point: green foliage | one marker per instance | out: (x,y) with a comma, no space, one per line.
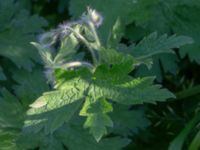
(75,138)
(111,15)
(8,139)
(128,122)
(65,100)
(195,142)
(17,29)
(178,142)
(98,80)
(179,17)
(153,45)
(98,85)
(97,118)
(11,121)
(26,87)
(149,16)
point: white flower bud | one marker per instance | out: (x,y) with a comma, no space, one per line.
(64,28)
(93,16)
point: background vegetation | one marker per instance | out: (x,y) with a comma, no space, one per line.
(172,125)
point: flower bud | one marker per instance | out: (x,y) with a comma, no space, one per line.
(64,28)
(93,16)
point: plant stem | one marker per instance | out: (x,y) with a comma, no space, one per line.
(75,64)
(95,61)
(93,29)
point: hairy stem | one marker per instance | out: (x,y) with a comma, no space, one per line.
(75,64)
(79,36)
(93,29)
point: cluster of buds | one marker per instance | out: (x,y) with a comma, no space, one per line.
(91,20)
(91,17)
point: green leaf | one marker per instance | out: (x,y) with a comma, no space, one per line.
(136,91)
(75,138)
(195,145)
(29,85)
(188,24)
(69,78)
(128,122)
(8,139)
(12,115)
(178,142)
(154,48)
(111,56)
(162,63)
(117,74)
(97,118)
(39,140)
(179,17)
(116,34)
(18,29)
(15,116)
(153,45)
(64,102)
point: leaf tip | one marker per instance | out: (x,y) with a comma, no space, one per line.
(38,103)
